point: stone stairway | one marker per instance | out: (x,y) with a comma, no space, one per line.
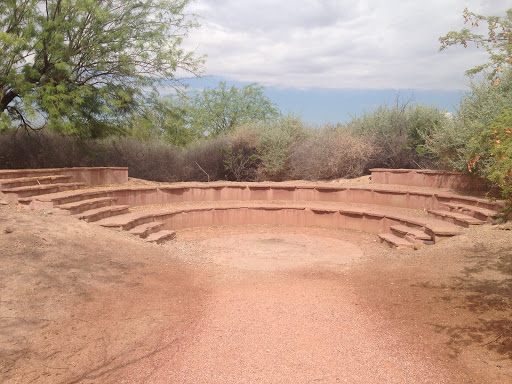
(447,213)
(402,236)
(13,189)
(57,193)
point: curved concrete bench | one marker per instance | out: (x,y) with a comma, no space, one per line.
(87,175)
(363,219)
(164,194)
(297,205)
(429,178)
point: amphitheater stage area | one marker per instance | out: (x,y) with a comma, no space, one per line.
(388,279)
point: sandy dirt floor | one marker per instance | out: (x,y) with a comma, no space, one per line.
(252,304)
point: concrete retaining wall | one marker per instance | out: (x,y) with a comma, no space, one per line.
(258,191)
(428,178)
(88,175)
(350,218)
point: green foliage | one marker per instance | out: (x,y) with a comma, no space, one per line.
(276,141)
(456,141)
(79,66)
(241,163)
(220,110)
(164,119)
(497,42)
(398,132)
(496,163)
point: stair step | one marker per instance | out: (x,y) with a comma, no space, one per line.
(128,221)
(403,230)
(455,218)
(27,181)
(161,236)
(50,200)
(395,241)
(146,229)
(103,212)
(479,213)
(14,194)
(86,205)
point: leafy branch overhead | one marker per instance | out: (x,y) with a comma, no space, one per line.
(78,65)
(497,41)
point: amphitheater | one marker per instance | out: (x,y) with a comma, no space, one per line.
(404,208)
(389,278)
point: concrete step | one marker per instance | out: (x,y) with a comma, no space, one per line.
(103,212)
(50,200)
(86,205)
(27,181)
(479,213)
(410,234)
(455,218)
(395,241)
(471,201)
(161,236)
(146,229)
(15,194)
(128,221)
(19,173)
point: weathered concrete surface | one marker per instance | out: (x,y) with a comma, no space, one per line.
(428,178)
(87,175)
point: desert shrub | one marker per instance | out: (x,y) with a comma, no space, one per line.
(150,160)
(276,141)
(41,149)
(397,134)
(241,160)
(455,142)
(494,157)
(203,160)
(330,154)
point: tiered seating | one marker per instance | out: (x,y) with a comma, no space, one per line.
(401,217)
(12,189)
(50,188)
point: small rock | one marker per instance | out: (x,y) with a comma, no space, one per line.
(418,245)
(505,226)
(3,202)
(8,230)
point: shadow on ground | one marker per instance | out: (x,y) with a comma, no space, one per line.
(484,288)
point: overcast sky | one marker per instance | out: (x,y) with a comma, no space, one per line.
(337,44)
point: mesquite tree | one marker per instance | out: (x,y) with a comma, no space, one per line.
(497,41)
(79,65)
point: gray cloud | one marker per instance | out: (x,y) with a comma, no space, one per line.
(336,43)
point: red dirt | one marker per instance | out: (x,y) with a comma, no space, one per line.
(253,304)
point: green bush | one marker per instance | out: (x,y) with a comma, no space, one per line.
(398,134)
(276,141)
(456,141)
(495,158)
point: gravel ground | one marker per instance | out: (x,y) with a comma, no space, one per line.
(250,304)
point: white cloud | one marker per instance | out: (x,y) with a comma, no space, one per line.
(372,44)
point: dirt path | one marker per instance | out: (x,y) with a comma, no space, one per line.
(255,304)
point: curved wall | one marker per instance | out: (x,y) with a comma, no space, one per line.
(87,175)
(351,218)
(246,192)
(429,178)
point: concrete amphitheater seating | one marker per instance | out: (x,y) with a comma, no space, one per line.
(404,217)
